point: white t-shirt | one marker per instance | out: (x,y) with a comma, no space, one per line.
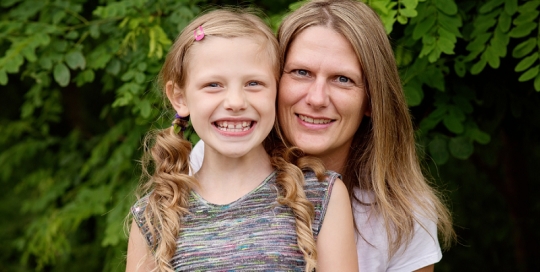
(422,250)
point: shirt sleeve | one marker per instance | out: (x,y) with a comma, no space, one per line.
(137,210)
(372,242)
(421,251)
(196,157)
(319,192)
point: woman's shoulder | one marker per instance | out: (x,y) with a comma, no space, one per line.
(372,241)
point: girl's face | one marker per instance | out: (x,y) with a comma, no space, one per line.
(230,94)
(322,99)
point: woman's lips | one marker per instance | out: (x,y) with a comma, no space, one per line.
(314,120)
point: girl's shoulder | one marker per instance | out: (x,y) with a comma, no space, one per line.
(318,192)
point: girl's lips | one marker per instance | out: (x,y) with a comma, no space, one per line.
(234,127)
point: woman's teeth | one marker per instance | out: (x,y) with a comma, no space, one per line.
(314,121)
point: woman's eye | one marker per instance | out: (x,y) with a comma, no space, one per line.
(343,79)
(301,72)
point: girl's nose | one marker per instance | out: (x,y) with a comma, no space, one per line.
(235,100)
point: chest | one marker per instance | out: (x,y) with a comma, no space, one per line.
(255,233)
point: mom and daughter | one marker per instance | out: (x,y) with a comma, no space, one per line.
(247,198)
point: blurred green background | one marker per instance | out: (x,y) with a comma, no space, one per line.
(78,94)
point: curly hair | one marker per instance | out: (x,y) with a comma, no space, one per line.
(166,161)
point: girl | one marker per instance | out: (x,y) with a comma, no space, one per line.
(244,209)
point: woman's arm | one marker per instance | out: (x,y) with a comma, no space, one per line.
(139,257)
(336,242)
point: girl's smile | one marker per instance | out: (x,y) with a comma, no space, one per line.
(229,93)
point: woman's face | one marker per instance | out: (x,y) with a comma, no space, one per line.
(321,98)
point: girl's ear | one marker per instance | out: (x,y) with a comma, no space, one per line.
(177,98)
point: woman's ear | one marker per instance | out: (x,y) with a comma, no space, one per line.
(368,110)
(177,98)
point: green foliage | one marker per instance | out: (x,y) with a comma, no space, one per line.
(79,85)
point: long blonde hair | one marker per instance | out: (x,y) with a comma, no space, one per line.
(166,167)
(383,157)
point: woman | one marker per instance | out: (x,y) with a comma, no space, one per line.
(340,99)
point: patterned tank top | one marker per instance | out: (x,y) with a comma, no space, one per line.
(253,233)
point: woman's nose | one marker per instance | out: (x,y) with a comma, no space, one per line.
(317,95)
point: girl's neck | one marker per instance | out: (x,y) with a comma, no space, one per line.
(224,179)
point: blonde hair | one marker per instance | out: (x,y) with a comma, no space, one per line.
(165,164)
(383,157)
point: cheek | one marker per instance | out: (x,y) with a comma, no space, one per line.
(286,94)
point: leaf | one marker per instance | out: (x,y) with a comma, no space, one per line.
(413,94)
(29,54)
(478,67)
(145,108)
(459,68)
(140,77)
(492,57)
(450,23)
(480,136)
(61,74)
(3,77)
(408,12)
(522,30)
(510,7)
(113,67)
(453,124)
(490,5)
(446,45)
(537,83)
(402,19)
(530,74)
(505,21)
(457,113)
(128,75)
(524,48)
(84,77)
(75,59)
(438,150)
(460,147)
(526,17)
(481,25)
(479,42)
(525,63)
(447,6)
(500,42)
(529,5)
(296,5)
(423,27)
(463,104)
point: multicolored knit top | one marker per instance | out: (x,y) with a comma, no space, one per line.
(251,233)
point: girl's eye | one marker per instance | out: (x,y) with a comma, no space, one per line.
(343,79)
(213,85)
(253,83)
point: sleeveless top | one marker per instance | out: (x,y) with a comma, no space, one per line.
(251,233)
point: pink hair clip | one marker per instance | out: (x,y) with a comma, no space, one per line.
(199,36)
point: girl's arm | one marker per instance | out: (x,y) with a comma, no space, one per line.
(139,258)
(336,245)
